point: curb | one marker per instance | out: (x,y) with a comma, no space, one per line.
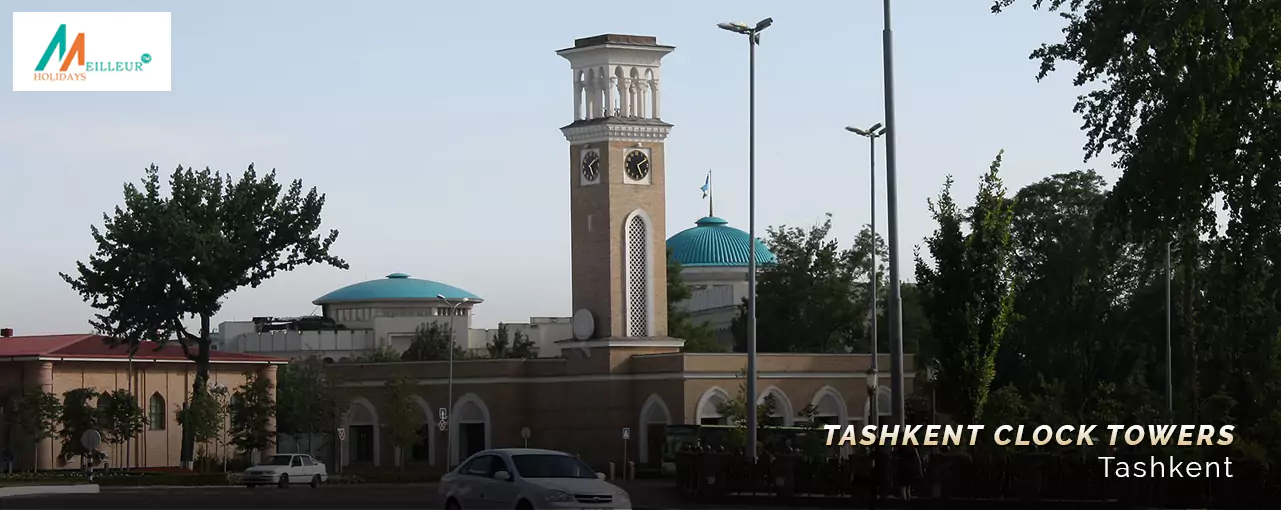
(36,490)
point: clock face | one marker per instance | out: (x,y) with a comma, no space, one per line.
(591,167)
(636,165)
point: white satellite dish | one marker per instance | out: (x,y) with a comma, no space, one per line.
(584,324)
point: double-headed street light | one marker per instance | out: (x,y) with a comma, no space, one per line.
(872,134)
(453,341)
(753,34)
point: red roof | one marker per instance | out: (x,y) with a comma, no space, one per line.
(95,347)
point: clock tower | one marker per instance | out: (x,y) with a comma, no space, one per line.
(617,187)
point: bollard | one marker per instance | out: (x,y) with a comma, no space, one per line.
(611,470)
(631,470)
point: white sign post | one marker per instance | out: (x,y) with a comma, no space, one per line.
(524,434)
(90,440)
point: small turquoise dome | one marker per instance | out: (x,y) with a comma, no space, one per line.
(712,243)
(396,286)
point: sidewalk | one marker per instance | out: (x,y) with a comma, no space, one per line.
(663,494)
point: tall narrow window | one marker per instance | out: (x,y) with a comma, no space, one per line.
(156,412)
(637,277)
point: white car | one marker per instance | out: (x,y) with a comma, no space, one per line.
(286,468)
(529,479)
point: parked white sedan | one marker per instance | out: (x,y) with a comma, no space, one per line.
(284,469)
(529,479)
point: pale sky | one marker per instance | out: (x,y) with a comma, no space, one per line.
(432,127)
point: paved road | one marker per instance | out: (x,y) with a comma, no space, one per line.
(419,497)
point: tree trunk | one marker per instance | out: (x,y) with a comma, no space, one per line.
(198,385)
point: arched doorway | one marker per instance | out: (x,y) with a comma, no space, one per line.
(830,407)
(884,406)
(709,405)
(425,449)
(784,414)
(362,444)
(654,419)
(471,429)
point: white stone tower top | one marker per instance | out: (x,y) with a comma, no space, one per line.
(616,77)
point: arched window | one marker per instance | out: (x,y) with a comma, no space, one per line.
(104,400)
(637,297)
(156,412)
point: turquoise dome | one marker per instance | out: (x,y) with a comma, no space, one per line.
(395,286)
(711,242)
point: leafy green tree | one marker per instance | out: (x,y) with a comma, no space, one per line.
(204,415)
(505,344)
(121,418)
(698,336)
(431,343)
(309,400)
(250,410)
(969,290)
(803,301)
(78,416)
(404,417)
(162,259)
(32,416)
(383,353)
(736,413)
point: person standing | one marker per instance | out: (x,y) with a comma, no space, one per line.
(909,470)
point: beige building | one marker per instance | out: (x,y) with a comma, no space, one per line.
(620,381)
(161,380)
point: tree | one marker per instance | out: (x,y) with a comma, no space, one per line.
(383,353)
(404,417)
(32,416)
(77,417)
(735,413)
(204,415)
(803,302)
(698,336)
(431,343)
(161,260)
(121,418)
(308,398)
(517,346)
(250,410)
(969,290)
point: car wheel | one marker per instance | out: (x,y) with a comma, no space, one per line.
(524,505)
(315,481)
(452,504)
(284,481)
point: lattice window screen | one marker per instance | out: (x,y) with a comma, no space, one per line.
(637,278)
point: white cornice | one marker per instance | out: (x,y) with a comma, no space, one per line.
(615,132)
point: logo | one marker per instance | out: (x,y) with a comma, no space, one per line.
(91,51)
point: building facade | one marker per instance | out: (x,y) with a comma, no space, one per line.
(159,378)
(619,381)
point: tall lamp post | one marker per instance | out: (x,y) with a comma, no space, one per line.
(891,191)
(872,134)
(753,34)
(453,342)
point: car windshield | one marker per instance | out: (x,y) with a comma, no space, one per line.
(551,466)
(278,460)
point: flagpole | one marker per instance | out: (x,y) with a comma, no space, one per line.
(709,194)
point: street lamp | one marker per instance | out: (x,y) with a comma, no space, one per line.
(872,134)
(891,191)
(753,38)
(453,341)
(873,385)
